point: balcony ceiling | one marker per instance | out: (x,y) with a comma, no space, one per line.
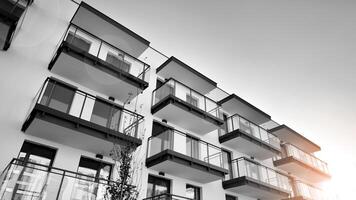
(104,27)
(301,170)
(286,134)
(236,105)
(174,68)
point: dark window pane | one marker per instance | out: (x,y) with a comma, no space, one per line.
(101,113)
(229,197)
(157,186)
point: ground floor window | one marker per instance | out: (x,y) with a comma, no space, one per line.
(157,186)
(192,192)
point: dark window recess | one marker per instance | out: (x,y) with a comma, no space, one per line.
(229,197)
(78,41)
(118,61)
(58,97)
(158,128)
(157,186)
(105,114)
(36,153)
(226,161)
(192,100)
(94,168)
(159,83)
(192,192)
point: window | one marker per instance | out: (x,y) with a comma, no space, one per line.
(118,61)
(78,41)
(58,96)
(192,192)
(31,179)
(229,197)
(106,115)
(192,100)
(157,186)
(192,146)
(86,187)
(36,153)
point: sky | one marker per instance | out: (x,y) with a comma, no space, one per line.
(295,60)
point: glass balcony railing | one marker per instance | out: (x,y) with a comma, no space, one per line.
(308,191)
(104,51)
(189,146)
(243,167)
(79,104)
(309,159)
(236,122)
(186,94)
(167,197)
(32,181)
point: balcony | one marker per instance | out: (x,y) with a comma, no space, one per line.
(176,69)
(27,180)
(303,191)
(235,104)
(248,138)
(254,180)
(181,155)
(301,164)
(185,107)
(291,136)
(94,63)
(10,14)
(167,197)
(66,115)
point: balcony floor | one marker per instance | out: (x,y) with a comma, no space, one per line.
(59,127)
(179,112)
(182,166)
(300,169)
(95,74)
(249,145)
(253,188)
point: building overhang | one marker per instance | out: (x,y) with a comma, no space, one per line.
(286,134)
(183,114)
(63,128)
(177,164)
(236,105)
(174,68)
(249,145)
(101,25)
(301,169)
(254,188)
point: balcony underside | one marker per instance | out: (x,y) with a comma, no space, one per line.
(287,134)
(300,169)
(182,166)
(253,188)
(248,145)
(87,70)
(236,105)
(185,115)
(59,127)
(174,68)
(97,23)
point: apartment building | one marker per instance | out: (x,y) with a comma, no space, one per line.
(80,85)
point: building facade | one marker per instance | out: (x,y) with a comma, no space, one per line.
(80,86)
